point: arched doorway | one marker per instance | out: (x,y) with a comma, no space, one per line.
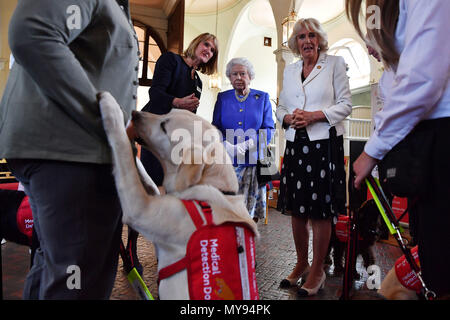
(150,47)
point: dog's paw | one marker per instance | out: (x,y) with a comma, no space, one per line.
(112,114)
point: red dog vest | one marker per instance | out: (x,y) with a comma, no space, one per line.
(342,228)
(405,274)
(25,218)
(220,259)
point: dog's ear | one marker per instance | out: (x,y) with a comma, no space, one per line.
(191,168)
(218,164)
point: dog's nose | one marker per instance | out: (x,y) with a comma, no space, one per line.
(135,115)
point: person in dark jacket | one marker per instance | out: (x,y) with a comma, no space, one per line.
(176,84)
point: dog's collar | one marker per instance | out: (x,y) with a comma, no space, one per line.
(228,193)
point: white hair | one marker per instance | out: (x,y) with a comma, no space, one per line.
(243,62)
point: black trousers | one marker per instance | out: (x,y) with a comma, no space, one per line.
(430,217)
(77,219)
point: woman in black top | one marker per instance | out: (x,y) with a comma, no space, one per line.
(175,84)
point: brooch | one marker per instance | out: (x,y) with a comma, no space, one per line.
(257,96)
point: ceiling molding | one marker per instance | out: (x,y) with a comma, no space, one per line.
(147,11)
(335,21)
(213,12)
(169,6)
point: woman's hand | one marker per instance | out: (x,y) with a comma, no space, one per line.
(287,120)
(190,102)
(362,168)
(302,118)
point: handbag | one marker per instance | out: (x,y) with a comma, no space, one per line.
(266,169)
(405,168)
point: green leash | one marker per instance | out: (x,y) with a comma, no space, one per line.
(391,226)
(134,278)
(395,229)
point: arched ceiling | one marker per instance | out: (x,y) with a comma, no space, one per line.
(323,10)
(260,14)
(207,7)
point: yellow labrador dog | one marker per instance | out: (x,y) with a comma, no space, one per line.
(392,289)
(401,283)
(196,166)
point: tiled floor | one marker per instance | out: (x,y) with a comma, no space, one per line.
(275,255)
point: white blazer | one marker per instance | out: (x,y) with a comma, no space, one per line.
(326,89)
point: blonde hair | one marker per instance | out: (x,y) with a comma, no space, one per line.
(211,66)
(309,24)
(384,37)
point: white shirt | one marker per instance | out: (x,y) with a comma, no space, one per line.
(420,86)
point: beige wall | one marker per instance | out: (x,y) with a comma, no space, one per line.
(6,11)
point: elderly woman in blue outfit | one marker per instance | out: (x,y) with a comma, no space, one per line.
(244,117)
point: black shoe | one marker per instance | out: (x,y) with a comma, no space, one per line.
(288,282)
(305,292)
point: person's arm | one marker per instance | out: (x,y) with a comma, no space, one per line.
(40,33)
(421,77)
(420,80)
(165,70)
(267,124)
(343,98)
(217,115)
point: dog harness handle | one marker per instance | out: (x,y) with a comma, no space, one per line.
(198,221)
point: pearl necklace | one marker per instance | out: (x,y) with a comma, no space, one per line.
(243,98)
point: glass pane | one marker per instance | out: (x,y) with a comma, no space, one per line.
(141,63)
(142,98)
(153,53)
(141,49)
(152,41)
(150,69)
(140,33)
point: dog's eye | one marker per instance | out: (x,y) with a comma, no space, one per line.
(163,126)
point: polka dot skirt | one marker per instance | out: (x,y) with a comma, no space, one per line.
(311,184)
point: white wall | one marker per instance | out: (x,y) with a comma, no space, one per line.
(340,28)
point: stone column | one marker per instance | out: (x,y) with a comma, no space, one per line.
(284,57)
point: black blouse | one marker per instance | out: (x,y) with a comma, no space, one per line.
(172,79)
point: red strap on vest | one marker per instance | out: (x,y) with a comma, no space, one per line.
(198,222)
(195,215)
(172,269)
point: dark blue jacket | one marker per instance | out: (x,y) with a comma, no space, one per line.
(172,79)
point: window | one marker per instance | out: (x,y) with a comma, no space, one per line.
(150,48)
(357,61)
